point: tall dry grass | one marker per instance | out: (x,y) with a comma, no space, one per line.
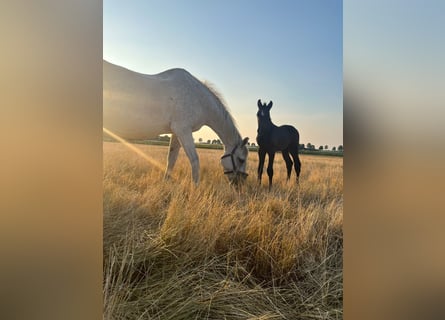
(175,251)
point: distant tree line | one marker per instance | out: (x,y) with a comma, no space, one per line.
(164,138)
(310,146)
(302,146)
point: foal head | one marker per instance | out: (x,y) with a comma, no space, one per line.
(263,113)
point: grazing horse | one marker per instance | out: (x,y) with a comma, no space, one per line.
(141,106)
(271,139)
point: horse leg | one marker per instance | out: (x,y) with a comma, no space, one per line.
(297,163)
(270,168)
(288,161)
(261,156)
(172,155)
(186,140)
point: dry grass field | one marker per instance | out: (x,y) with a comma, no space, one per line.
(175,251)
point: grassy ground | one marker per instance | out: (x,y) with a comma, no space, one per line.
(175,251)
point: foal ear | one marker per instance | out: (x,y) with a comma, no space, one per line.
(259,104)
(244,142)
(269,105)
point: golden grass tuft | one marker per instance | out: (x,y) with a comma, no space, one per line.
(175,251)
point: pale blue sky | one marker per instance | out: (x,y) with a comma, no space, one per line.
(289,52)
(394,68)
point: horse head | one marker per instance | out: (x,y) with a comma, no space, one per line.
(234,162)
(263,110)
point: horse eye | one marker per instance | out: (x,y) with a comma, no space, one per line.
(241,160)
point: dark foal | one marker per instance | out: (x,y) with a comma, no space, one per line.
(271,139)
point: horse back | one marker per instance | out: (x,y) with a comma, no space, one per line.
(137,105)
(291,131)
(286,136)
(279,138)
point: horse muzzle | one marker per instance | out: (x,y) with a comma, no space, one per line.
(236,177)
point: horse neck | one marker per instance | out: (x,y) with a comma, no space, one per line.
(225,128)
(264,126)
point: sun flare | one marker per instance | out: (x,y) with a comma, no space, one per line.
(134,149)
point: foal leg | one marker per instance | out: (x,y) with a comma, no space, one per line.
(261,157)
(270,168)
(288,161)
(172,155)
(297,162)
(186,140)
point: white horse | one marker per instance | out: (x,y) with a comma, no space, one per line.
(141,106)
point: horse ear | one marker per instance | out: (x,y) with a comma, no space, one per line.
(244,142)
(269,106)
(259,103)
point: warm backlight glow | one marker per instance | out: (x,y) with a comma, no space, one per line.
(134,149)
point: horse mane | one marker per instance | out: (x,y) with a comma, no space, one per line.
(222,109)
(215,91)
